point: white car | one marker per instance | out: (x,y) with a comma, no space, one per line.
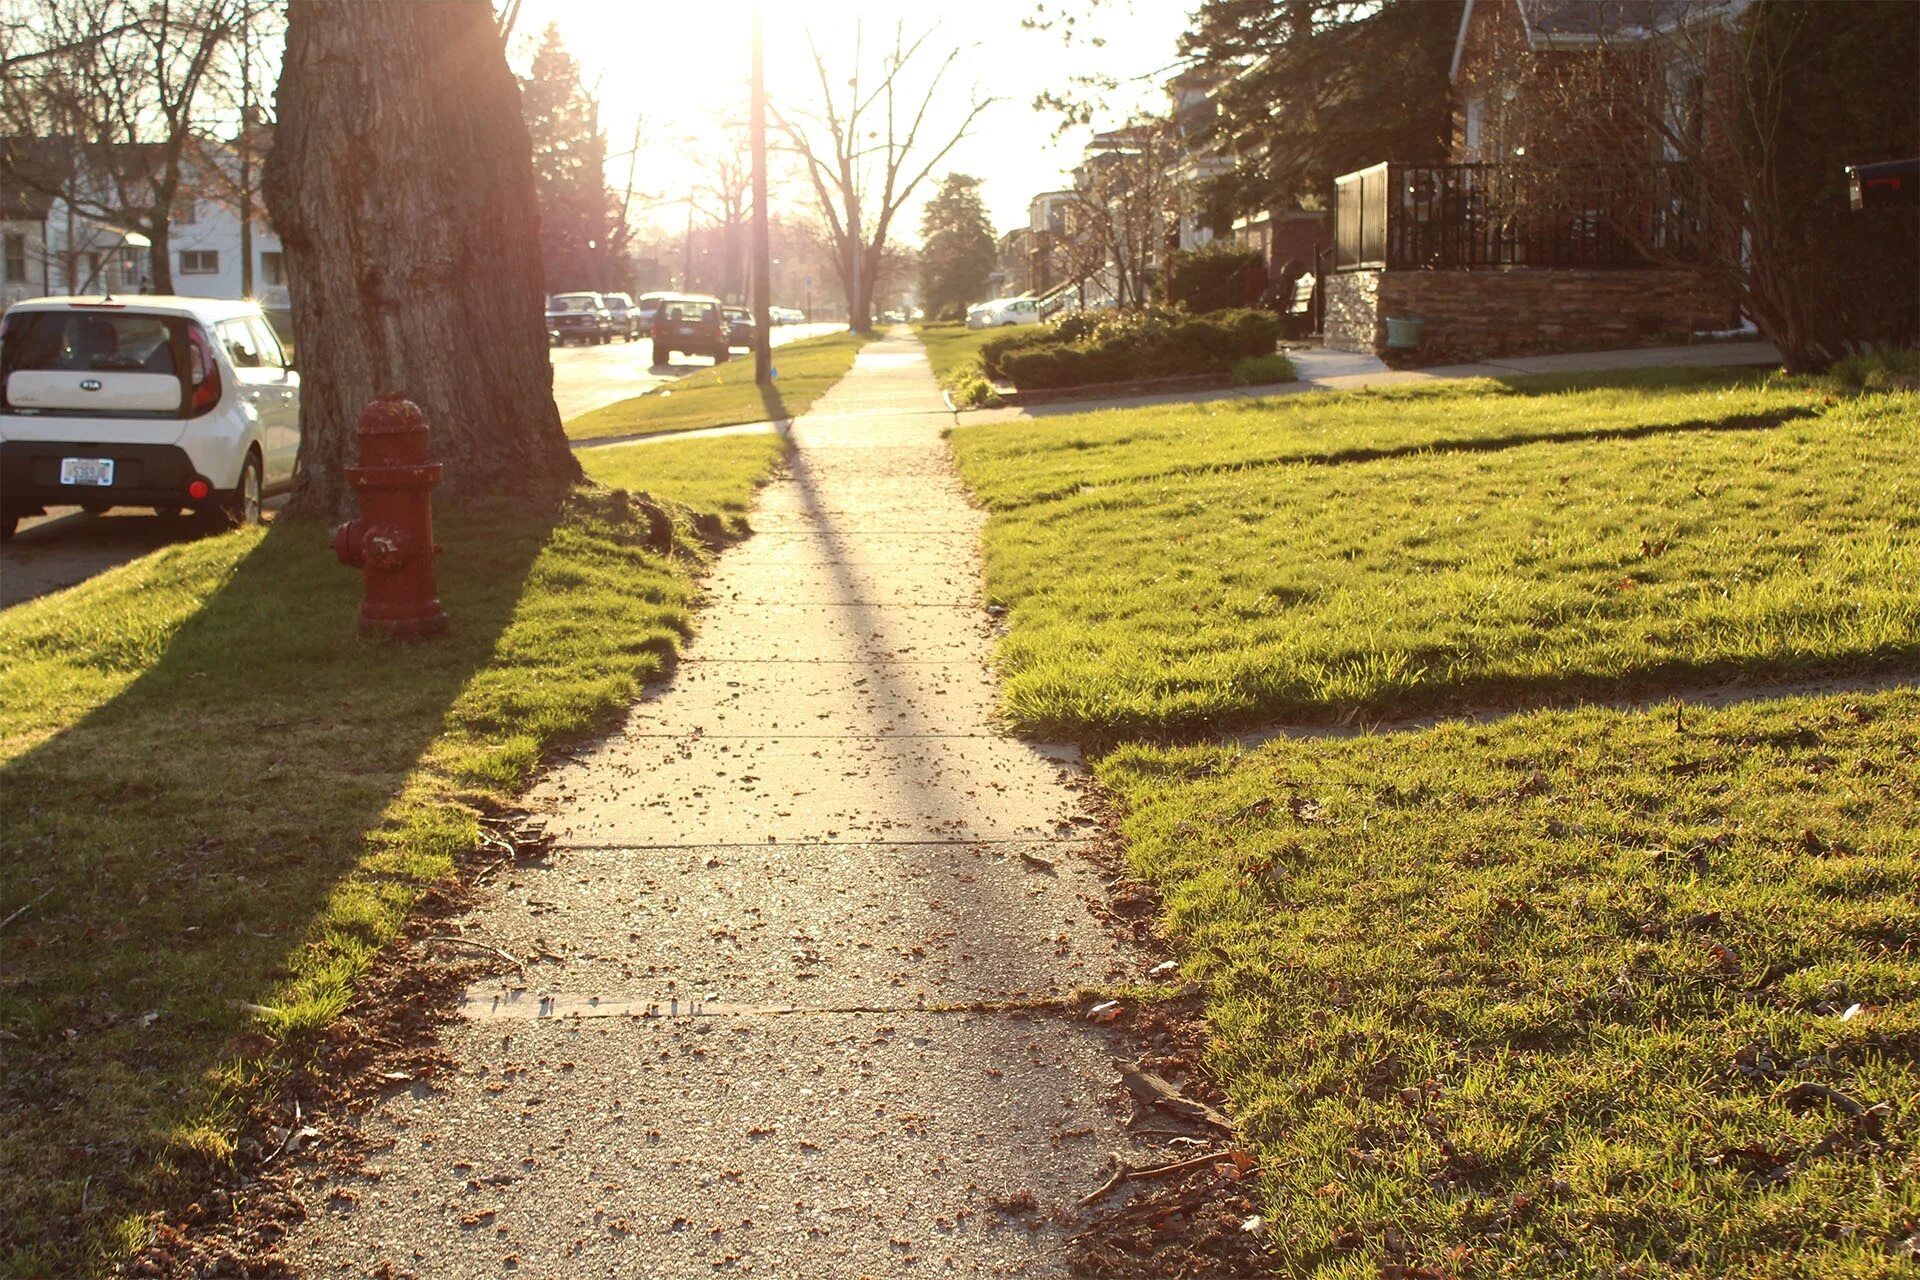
(1004,311)
(170,403)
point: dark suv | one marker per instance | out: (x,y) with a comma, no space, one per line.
(578,316)
(690,324)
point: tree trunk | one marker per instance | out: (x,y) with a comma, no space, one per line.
(160,256)
(401,184)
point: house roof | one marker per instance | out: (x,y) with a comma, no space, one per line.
(1576,24)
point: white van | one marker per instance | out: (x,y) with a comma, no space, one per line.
(1004,311)
(170,403)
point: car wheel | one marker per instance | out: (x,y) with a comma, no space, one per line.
(8,523)
(96,508)
(721,357)
(167,513)
(241,507)
(663,357)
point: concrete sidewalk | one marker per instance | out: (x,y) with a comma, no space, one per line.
(818,838)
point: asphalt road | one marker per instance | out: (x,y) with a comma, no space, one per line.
(67,546)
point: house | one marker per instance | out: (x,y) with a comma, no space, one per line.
(49,245)
(1557,222)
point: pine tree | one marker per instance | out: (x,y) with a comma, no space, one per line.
(578,218)
(958,248)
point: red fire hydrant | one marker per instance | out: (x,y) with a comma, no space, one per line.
(392,541)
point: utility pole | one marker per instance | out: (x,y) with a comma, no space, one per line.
(246,151)
(762,270)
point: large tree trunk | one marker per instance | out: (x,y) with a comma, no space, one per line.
(401,183)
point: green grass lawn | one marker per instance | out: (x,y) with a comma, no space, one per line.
(1562,996)
(1579,992)
(1319,557)
(213,792)
(726,394)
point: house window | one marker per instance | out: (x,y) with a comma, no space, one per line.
(199,262)
(273,270)
(1476,124)
(185,212)
(16,258)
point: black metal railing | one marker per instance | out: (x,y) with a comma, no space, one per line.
(1441,216)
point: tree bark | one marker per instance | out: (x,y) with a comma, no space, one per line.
(401,184)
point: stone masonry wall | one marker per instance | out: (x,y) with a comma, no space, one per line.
(1477,315)
(1353,310)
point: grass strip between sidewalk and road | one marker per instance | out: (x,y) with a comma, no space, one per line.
(1577,994)
(726,394)
(1320,557)
(216,795)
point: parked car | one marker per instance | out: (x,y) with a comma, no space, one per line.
(649,306)
(1004,311)
(170,403)
(740,326)
(625,316)
(581,316)
(785,315)
(691,324)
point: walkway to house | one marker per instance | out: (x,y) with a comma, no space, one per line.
(817,841)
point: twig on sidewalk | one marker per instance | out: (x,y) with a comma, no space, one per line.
(1124,1173)
(451,940)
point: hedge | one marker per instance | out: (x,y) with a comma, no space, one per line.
(1210,278)
(1123,346)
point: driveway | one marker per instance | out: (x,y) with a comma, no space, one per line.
(66,546)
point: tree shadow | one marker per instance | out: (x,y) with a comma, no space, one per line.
(175,847)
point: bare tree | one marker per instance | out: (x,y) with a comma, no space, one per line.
(724,196)
(401,183)
(120,87)
(1124,205)
(863,151)
(1742,119)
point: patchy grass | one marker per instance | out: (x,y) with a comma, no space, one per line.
(214,792)
(1258,371)
(954,352)
(1579,994)
(726,394)
(1318,557)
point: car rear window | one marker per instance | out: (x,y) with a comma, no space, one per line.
(574,302)
(51,341)
(690,311)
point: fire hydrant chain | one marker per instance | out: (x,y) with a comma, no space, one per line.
(392,541)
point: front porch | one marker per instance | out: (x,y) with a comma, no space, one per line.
(1502,260)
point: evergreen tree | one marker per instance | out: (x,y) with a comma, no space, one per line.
(580,229)
(1312,89)
(958,248)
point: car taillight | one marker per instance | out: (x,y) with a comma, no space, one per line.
(203,373)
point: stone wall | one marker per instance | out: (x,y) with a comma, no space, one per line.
(1477,315)
(1353,310)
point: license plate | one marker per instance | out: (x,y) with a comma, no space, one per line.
(686,328)
(87,471)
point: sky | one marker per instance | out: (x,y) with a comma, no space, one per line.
(684,67)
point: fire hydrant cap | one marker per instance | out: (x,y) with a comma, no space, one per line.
(392,414)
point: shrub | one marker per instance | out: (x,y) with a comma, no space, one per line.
(1211,277)
(1136,344)
(1891,369)
(1254,371)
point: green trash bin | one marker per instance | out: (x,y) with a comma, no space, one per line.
(1403,332)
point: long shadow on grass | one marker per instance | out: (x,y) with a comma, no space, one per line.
(1768,421)
(177,844)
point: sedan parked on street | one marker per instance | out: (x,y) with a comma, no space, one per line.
(578,317)
(624,314)
(740,327)
(170,403)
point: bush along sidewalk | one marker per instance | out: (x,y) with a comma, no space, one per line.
(220,804)
(1092,348)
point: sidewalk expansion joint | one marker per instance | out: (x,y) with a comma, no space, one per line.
(483,1005)
(959,842)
